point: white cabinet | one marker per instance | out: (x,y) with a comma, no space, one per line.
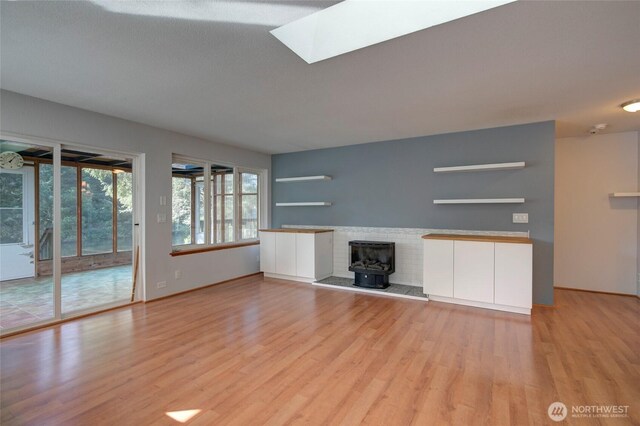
(438,268)
(268,252)
(323,255)
(286,253)
(299,255)
(483,271)
(473,271)
(305,255)
(513,277)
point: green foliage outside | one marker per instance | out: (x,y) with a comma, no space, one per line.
(181,211)
(97,210)
(11,230)
(68,204)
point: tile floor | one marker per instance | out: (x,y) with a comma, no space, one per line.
(392,289)
(29,300)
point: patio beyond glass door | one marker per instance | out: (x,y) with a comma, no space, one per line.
(100,271)
(26,293)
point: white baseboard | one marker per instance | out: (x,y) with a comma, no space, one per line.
(483,305)
(290,277)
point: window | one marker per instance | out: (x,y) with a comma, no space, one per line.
(97,211)
(223,204)
(187,203)
(69,202)
(199,225)
(181,210)
(232,197)
(11,208)
(249,205)
(124,209)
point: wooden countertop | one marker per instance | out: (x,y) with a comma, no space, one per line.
(482,238)
(297,230)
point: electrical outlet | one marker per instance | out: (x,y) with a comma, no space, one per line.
(162,217)
(178,274)
(521,218)
(161,284)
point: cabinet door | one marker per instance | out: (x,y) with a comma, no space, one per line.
(268,252)
(305,255)
(513,280)
(285,253)
(324,255)
(473,271)
(438,268)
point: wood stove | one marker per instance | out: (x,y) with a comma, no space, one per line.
(372,262)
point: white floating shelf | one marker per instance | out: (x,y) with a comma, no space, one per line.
(624,194)
(314,203)
(303,178)
(482,201)
(481,167)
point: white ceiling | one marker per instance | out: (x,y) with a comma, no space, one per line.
(211,69)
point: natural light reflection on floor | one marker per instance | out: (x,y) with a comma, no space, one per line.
(182,416)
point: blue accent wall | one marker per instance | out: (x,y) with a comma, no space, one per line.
(392,184)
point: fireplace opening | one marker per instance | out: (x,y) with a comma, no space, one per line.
(372,262)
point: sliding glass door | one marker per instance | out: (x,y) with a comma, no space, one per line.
(79,203)
(102,271)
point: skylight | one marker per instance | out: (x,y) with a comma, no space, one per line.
(231,11)
(355,24)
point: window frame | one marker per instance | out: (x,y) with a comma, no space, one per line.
(209,194)
(240,194)
(82,205)
(38,162)
(223,195)
(24,231)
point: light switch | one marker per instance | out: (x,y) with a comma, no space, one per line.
(521,218)
(163,200)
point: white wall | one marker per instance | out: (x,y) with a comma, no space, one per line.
(32,117)
(596,237)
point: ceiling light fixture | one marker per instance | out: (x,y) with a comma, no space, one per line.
(631,106)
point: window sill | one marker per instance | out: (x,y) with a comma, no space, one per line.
(214,248)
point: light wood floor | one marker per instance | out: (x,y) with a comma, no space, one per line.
(256,351)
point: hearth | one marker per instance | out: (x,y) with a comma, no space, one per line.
(372,262)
